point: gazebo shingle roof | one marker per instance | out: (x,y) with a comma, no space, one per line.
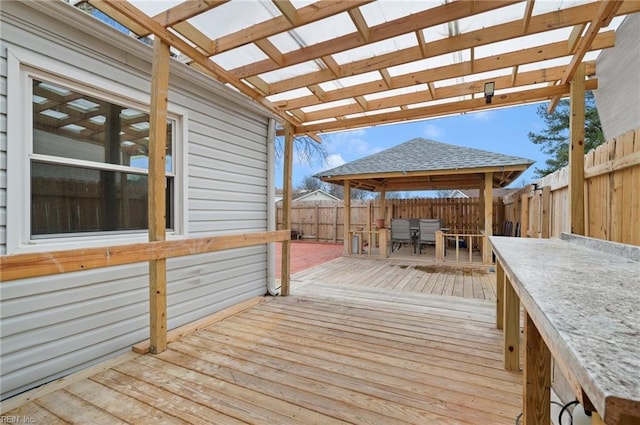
(425,155)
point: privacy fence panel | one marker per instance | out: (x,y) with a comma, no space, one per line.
(323,220)
(611,193)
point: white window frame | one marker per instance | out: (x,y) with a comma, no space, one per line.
(22,68)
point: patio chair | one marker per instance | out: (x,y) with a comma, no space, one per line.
(428,229)
(400,232)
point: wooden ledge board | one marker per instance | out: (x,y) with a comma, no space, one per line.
(175,334)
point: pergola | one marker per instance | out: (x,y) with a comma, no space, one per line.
(334,65)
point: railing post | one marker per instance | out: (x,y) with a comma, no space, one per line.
(156,198)
(439,245)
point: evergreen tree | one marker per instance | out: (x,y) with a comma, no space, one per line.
(554,139)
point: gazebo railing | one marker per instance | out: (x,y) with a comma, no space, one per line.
(464,245)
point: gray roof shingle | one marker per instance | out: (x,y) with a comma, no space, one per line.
(424,155)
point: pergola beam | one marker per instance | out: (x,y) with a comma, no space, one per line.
(526,19)
(185,10)
(360,23)
(491,63)
(502,32)
(506,99)
(431,17)
(131,12)
(462,89)
(305,15)
(606,12)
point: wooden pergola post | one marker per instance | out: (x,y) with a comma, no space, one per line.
(576,152)
(156,187)
(488,217)
(286,209)
(383,206)
(346,217)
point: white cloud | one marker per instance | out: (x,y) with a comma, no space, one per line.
(335,160)
(432,131)
(481,116)
(352,144)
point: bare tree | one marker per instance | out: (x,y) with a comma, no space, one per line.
(306,150)
(337,190)
(311,183)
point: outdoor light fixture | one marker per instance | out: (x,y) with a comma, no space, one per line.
(489,89)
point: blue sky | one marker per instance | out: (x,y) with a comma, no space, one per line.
(503,131)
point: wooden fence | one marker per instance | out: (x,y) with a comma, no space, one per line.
(611,193)
(323,220)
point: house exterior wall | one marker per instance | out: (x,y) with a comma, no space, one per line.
(618,94)
(56,325)
(3,149)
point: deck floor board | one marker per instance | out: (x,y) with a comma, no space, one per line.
(360,341)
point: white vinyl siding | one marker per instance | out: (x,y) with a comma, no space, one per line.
(3,149)
(56,325)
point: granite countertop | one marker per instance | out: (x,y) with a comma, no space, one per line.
(584,296)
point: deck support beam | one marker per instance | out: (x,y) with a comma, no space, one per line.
(347,217)
(488,217)
(156,200)
(576,152)
(285,278)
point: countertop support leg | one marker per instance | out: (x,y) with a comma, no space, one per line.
(511,325)
(537,377)
(499,295)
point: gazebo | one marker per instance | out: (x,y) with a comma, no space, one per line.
(421,164)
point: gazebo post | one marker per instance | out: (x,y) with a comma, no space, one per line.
(488,217)
(383,207)
(481,203)
(347,217)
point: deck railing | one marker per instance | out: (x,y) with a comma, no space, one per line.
(372,238)
(452,247)
(464,245)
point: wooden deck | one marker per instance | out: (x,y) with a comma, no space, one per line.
(402,273)
(331,353)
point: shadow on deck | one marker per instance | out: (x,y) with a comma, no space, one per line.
(333,352)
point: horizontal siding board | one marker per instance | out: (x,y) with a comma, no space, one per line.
(59,331)
(225,205)
(75,311)
(220,176)
(34,286)
(232,124)
(198,228)
(204,195)
(201,182)
(55,325)
(210,153)
(17,381)
(201,163)
(79,341)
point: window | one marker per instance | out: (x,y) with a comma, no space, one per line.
(89,164)
(77,157)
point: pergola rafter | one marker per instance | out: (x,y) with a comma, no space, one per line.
(298,85)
